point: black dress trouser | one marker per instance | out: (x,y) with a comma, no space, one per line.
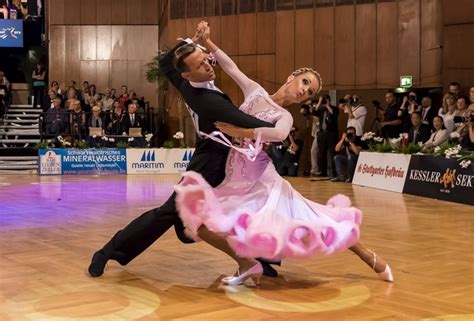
(143,231)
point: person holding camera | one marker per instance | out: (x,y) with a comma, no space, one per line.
(391,121)
(352,105)
(349,147)
(306,110)
(327,135)
(408,107)
(290,162)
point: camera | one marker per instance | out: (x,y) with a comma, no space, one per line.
(351,101)
(411,98)
(350,136)
(462,119)
(376,103)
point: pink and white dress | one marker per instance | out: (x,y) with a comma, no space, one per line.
(258,210)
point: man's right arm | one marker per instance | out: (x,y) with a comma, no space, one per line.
(217,108)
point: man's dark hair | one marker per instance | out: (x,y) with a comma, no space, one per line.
(417,113)
(351,128)
(182,53)
(455,83)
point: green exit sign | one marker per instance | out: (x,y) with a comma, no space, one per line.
(406,81)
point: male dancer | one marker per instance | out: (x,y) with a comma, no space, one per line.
(189,70)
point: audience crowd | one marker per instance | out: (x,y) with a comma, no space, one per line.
(75,111)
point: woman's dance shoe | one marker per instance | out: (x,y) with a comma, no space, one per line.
(255,272)
(386,274)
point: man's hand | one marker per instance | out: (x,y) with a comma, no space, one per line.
(234,131)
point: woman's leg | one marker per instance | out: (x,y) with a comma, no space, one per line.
(369,258)
(219,242)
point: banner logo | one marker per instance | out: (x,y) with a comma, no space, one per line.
(188,154)
(449,178)
(50,163)
(148,161)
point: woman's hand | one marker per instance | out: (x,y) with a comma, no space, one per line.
(234,131)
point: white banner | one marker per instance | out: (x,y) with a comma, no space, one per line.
(158,160)
(382,170)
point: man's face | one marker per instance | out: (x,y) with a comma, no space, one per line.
(461,103)
(124,90)
(426,102)
(389,98)
(415,120)
(454,89)
(56,102)
(132,109)
(200,69)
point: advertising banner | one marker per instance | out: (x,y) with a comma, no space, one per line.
(82,161)
(158,160)
(382,170)
(440,178)
(11,33)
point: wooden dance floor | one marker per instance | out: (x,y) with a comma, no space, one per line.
(50,227)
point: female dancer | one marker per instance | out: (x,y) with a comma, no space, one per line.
(255,212)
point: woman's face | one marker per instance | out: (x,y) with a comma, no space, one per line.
(71,94)
(437,123)
(301,87)
(471,94)
(450,100)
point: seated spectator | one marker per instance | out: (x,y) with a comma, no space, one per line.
(468,141)
(114,126)
(124,98)
(140,109)
(71,97)
(3,9)
(349,148)
(471,95)
(291,157)
(55,86)
(133,95)
(107,101)
(57,119)
(19,11)
(90,98)
(96,120)
(391,121)
(428,112)
(113,93)
(77,120)
(131,119)
(48,101)
(447,112)
(418,132)
(440,134)
(467,132)
(461,113)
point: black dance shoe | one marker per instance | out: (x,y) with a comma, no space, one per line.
(97,266)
